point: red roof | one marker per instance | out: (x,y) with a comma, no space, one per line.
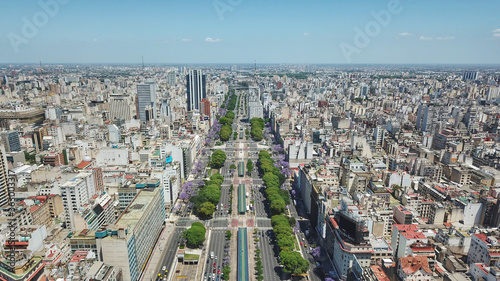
(34,208)
(410,265)
(413,235)
(79,256)
(482,237)
(406,227)
(18,243)
(379,273)
(83,164)
(334,223)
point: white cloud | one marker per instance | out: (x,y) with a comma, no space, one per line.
(496,32)
(445,38)
(95,39)
(212,40)
(425,38)
(405,34)
(307,33)
(186,40)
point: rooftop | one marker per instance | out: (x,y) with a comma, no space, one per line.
(136,209)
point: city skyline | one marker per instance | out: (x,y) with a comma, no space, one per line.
(220,31)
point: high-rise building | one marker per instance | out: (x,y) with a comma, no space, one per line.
(4,195)
(76,193)
(196,89)
(120,107)
(128,244)
(146,98)
(470,75)
(171,78)
(11,141)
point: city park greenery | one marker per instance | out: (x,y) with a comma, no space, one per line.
(218,158)
(195,235)
(273,179)
(208,196)
(249,165)
(257,128)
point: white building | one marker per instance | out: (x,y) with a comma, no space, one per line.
(76,193)
(114,135)
(100,212)
(112,156)
(483,249)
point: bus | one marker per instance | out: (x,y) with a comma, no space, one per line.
(241,135)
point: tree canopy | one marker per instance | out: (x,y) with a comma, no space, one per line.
(218,159)
(249,165)
(195,235)
(293,262)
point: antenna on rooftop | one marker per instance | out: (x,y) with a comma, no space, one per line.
(142,63)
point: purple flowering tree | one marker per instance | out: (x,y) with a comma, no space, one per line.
(278,148)
(183,195)
(316,252)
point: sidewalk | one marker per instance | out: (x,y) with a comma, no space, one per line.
(150,272)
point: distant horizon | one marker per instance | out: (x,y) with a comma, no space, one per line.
(249,64)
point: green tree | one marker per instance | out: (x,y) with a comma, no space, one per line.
(279,220)
(217,177)
(232,167)
(249,165)
(206,209)
(293,262)
(226,270)
(228,234)
(195,235)
(278,206)
(286,242)
(271,180)
(218,159)
(230,115)
(225,121)
(212,193)
(225,133)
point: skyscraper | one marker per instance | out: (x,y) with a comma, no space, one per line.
(146,97)
(10,140)
(196,89)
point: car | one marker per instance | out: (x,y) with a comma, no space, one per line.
(301,244)
(303,239)
(214,270)
(215,264)
(215,257)
(218,267)
(218,271)
(164,268)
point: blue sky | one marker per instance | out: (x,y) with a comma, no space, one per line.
(241,31)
